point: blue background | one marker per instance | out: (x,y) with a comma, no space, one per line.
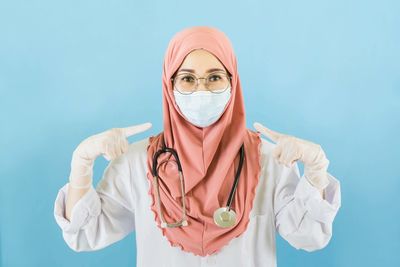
(325,71)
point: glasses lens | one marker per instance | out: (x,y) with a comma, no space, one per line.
(217,82)
(185,83)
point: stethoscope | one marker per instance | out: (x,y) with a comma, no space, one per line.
(223,217)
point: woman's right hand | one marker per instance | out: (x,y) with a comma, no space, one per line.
(111,144)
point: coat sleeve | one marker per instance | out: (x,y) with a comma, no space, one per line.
(103,215)
(302,216)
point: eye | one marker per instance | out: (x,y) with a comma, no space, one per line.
(187,78)
(214,77)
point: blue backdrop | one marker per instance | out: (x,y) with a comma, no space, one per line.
(325,71)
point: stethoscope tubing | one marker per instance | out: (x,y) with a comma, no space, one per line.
(165,149)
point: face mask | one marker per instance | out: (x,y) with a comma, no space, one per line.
(202,108)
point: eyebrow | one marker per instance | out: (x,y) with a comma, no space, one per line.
(208,71)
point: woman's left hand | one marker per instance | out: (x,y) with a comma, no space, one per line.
(290,149)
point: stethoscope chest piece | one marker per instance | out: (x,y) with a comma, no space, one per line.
(224,217)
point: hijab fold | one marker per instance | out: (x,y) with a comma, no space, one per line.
(209,156)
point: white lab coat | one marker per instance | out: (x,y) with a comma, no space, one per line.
(120,204)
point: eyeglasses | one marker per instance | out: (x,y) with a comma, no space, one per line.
(215,82)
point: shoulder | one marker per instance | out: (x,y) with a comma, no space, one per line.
(265,150)
(136,152)
(271,166)
(268,163)
(266,147)
(138,147)
(119,170)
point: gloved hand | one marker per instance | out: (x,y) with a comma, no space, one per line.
(111,144)
(290,149)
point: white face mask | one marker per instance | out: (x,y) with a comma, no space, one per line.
(202,108)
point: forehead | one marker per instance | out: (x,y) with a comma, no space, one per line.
(201,60)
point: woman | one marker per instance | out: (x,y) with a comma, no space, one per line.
(206,191)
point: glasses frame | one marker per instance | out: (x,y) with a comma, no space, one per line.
(229,76)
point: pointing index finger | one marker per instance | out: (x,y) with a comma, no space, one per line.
(274,136)
(135,129)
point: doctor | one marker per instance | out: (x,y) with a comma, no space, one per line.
(206,191)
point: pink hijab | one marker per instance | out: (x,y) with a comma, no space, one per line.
(209,156)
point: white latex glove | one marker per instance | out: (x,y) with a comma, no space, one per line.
(111,144)
(290,149)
